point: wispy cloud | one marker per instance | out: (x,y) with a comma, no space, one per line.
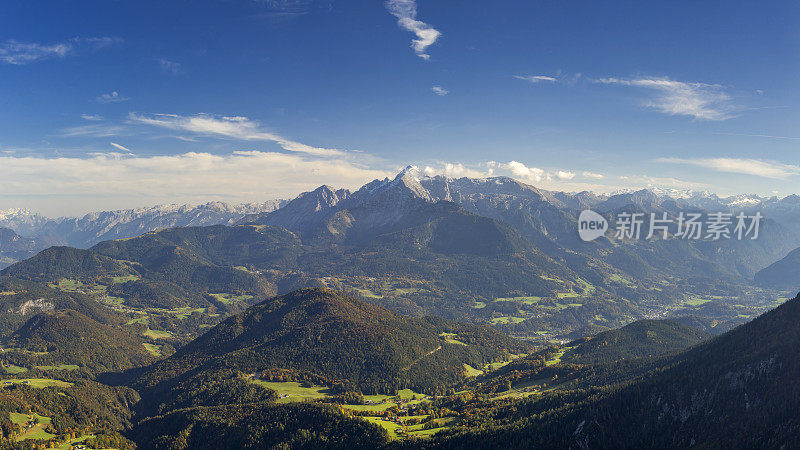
(114,180)
(592,175)
(766,169)
(170,67)
(20,53)
(767,136)
(634,182)
(112,97)
(240,128)
(92,117)
(536,78)
(565,175)
(120,147)
(698,100)
(95,130)
(440,91)
(406,13)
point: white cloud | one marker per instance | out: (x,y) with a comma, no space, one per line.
(170,67)
(560,180)
(19,53)
(535,78)
(113,97)
(121,181)
(120,147)
(457,170)
(92,117)
(406,13)
(440,91)
(528,174)
(634,182)
(240,128)
(698,100)
(766,169)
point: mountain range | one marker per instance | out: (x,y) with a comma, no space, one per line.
(83,232)
(482,250)
(413,312)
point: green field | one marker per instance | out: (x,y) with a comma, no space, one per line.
(507,319)
(292,391)
(153,349)
(182,313)
(403,291)
(67,445)
(588,288)
(616,278)
(374,407)
(144,320)
(66,284)
(409,394)
(497,365)
(157,334)
(696,301)
(367,293)
(557,357)
(479,305)
(10,368)
(450,338)
(124,279)
(399,431)
(471,371)
(525,300)
(19,418)
(59,367)
(36,431)
(388,425)
(37,382)
(231,298)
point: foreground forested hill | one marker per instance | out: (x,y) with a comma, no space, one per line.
(737,390)
(339,338)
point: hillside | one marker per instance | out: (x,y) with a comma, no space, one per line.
(14,247)
(69,337)
(782,274)
(168,269)
(254,426)
(605,358)
(338,338)
(640,339)
(57,262)
(738,389)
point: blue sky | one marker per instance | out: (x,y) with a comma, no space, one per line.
(111,104)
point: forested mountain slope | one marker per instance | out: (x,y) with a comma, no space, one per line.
(739,389)
(340,338)
(784,273)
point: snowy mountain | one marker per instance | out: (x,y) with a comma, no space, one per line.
(83,232)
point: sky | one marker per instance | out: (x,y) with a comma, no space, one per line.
(118,104)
